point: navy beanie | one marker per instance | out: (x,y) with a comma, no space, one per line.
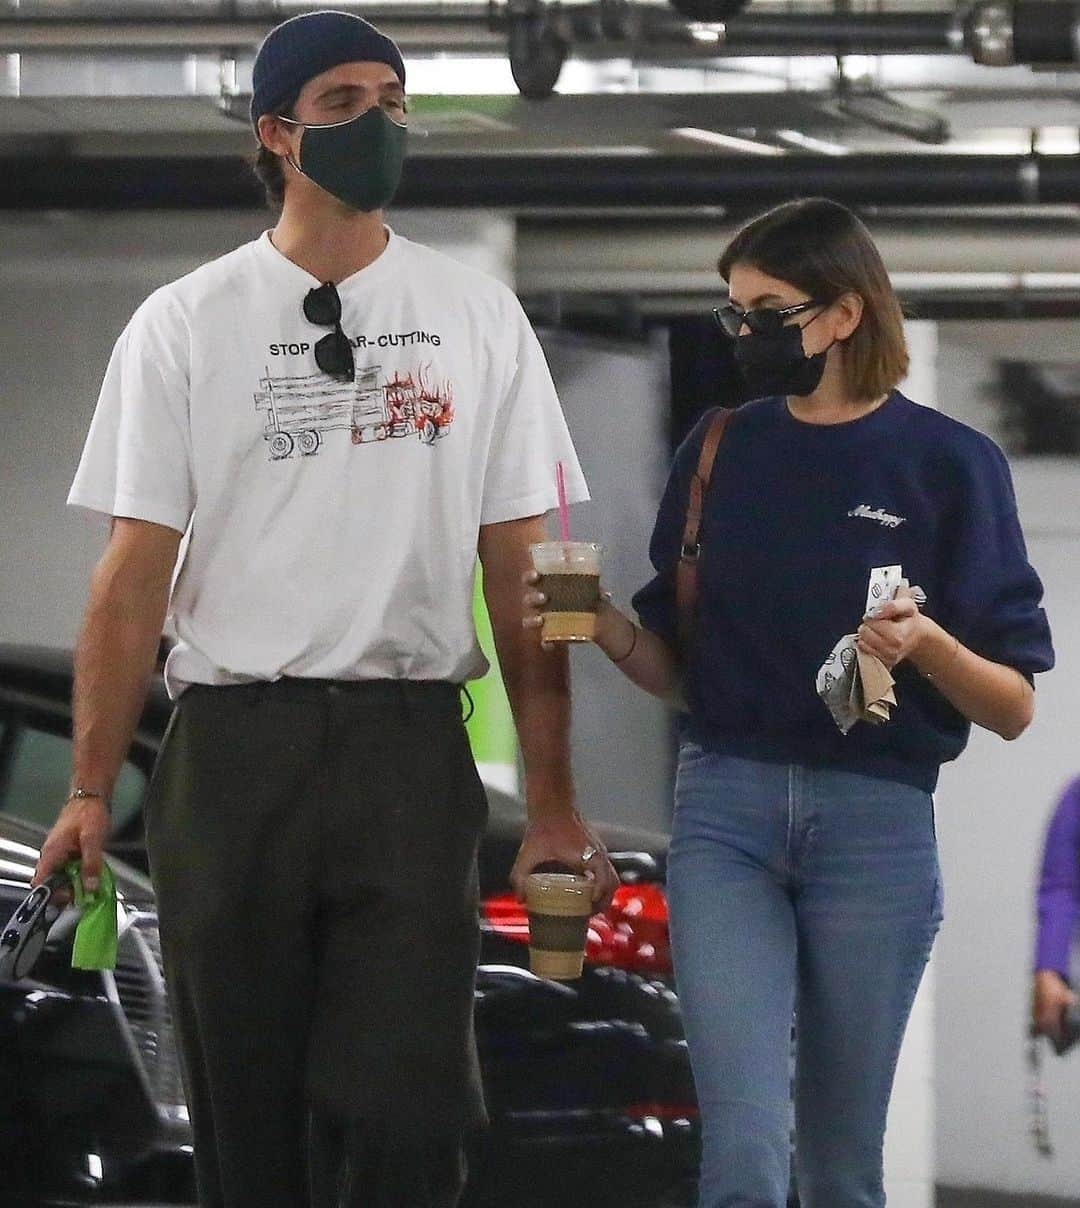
(305,46)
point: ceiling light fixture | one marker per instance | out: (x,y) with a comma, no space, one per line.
(729,142)
(1057,140)
(705,31)
(807,142)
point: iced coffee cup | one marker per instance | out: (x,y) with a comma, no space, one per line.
(559,906)
(570,578)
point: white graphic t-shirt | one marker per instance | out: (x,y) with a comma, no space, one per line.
(333,523)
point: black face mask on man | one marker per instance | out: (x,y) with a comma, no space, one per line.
(358,161)
(777,364)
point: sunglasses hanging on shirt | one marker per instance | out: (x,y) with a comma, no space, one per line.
(333,353)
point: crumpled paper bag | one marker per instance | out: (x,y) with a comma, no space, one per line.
(854,685)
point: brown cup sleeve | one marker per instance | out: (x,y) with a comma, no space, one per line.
(558,933)
(570,593)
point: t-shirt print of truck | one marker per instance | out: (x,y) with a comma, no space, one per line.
(300,409)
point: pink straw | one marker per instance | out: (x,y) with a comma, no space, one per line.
(564,511)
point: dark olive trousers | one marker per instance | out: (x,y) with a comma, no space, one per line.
(313,845)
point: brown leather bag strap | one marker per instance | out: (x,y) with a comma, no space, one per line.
(686,570)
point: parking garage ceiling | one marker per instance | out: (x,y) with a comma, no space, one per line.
(967,116)
(852,76)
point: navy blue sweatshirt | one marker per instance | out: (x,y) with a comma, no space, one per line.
(797,515)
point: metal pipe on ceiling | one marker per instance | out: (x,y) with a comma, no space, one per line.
(783,34)
(651,31)
(461,28)
(538,36)
(566,182)
(744,182)
(995,32)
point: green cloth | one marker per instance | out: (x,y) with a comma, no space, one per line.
(95,936)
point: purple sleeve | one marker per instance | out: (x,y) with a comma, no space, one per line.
(1059,885)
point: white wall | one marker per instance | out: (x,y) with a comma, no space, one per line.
(67,294)
(992,809)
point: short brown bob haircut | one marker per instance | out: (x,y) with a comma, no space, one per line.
(822,248)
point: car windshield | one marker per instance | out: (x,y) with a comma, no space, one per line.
(35,773)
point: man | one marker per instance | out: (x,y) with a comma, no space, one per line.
(340,420)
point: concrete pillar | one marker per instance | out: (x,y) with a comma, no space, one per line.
(909,1138)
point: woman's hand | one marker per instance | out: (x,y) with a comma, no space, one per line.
(993,695)
(643,657)
(1050,998)
(894,630)
(533,602)
(607,615)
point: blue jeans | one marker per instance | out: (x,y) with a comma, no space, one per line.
(805,889)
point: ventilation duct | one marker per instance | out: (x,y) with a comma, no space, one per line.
(567,182)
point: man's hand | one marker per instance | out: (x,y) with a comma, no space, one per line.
(78,833)
(895,630)
(564,841)
(1049,1001)
(118,643)
(538,685)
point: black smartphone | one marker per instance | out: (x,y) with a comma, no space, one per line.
(1070,1029)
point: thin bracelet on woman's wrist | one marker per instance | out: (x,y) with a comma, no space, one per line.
(948,662)
(633,646)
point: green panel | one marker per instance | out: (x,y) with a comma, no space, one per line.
(491,727)
(502,108)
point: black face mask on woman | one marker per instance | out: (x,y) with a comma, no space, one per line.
(776,363)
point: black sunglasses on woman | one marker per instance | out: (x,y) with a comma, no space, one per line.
(762,320)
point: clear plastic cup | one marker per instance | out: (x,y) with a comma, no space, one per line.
(560,906)
(570,578)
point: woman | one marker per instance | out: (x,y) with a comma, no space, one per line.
(803,869)
(1059,909)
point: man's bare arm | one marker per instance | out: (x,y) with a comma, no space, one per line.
(538,685)
(129,595)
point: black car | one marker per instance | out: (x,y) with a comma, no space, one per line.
(588,1083)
